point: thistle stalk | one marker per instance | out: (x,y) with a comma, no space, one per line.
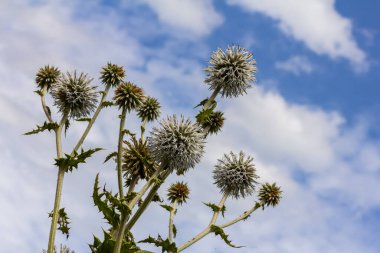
(44,106)
(171,217)
(58,191)
(120,152)
(207,230)
(243,216)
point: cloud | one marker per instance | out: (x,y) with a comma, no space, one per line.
(296,64)
(314,22)
(197,17)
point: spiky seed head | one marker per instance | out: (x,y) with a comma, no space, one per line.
(177,144)
(235,175)
(149,109)
(137,161)
(178,192)
(214,122)
(47,76)
(269,194)
(73,94)
(112,74)
(231,71)
(128,96)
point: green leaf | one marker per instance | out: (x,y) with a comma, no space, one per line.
(108,212)
(109,156)
(45,126)
(63,222)
(84,119)
(167,208)
(127,132)
(69,162)
(39,92)
(174,231)
(67,125)
(203,115)
(107,104)
(216,208)
(219,231)
(159,242)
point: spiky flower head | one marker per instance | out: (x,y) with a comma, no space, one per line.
(112,74)
(178,192)
(213,123)
(128,96)
(270,194)
(235,175)
(231,71)
(137,161)
(73,94)
(177,144)
(47,76)
(149,109)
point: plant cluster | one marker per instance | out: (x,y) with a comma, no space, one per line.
(175,145)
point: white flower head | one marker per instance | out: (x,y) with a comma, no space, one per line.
(177,144)
(235,175)
(231,71)
(73,94)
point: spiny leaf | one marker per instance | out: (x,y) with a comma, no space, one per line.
(107,104)
(70,162)
(174,231)
(84,119)
(108,157)
(216,208)
(219,231)
(127,132)
(164,244)
(45,126)
(166,207)
(39,92)
(63,222)
(204,101)
(204,115)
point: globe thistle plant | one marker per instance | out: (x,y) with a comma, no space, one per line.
(231,71)
(128,96)
(235,175)
(47,76)
(178,192)
(112,74)
(214,122)
(137,161)
(149,110)
(269,194)
(177,144)
(73,94)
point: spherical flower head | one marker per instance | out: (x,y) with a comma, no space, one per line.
(149,110)
(214,122)
(73,94)
(137,161)
(177,144)
(47,76)
(128,96)
(112,74)
(178,192)
(235,175)
(270,194)
(231,71)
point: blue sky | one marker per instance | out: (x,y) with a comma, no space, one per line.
(311,121)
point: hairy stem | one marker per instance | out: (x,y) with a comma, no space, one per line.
(242,217)
(207,230)
(44,106)
(171,225)
(58,191)
(92,121)
(120,152)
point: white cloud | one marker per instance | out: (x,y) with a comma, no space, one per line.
(296,64)
(198,17)
(314,22)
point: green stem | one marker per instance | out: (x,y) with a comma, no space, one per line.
(92,121)
(171,226)
(120,153)
(207,230)
(241,217)
(143,125)
(133,183)
(58,191)
(212,98)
